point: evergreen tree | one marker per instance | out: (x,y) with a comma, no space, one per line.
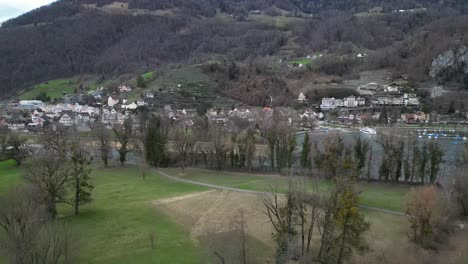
(436,154)
(233,71)
(141,81)
(305,154)
(156,142)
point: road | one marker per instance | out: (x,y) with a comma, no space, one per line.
(258,192)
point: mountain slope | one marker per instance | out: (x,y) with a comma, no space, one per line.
(71,37)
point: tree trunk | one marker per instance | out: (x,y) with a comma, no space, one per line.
(52,208)
(77,198)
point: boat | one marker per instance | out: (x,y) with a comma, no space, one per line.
(368,130)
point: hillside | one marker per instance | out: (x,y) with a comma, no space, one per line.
(109,39)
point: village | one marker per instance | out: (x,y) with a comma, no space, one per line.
(373,103)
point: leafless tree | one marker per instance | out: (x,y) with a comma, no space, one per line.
(184,144)
(103,136)
(124,133)
(56,139)
(230,247)
(219,147)
(51,175)
(26,233)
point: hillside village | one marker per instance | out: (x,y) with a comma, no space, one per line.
(82,110)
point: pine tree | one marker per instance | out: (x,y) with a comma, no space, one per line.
(156,143)
(141,82)
(305,154)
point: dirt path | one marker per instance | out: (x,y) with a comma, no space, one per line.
(179,198)
(198,228)
(257,192)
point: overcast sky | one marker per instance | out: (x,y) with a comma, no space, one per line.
(14,8)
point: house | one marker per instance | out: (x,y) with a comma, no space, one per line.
(328,104)
(302,98)
(125,88)
(350,102)
(16,125)
(361,101)
(83,118)
(131,106)
(30,104)
(141,103)
(411,100)
(148,95)
(368,89)
(409,118)
(339,103)
(393,88)
(3,122)
(112,100)
(67,118)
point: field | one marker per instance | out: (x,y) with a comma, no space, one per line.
(57,88)
(127,209)
(384,196)
(116,226)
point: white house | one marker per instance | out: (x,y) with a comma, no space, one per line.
(112,100)
(16,126)
(350,102)
(125,88)
(67,119)
(391,89)
(131,106)
(302,98)
(328,103)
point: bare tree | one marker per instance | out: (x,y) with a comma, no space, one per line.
(282,214)
(80,171)
(184,144)
(56,139)
(103,136)
(230,247)
(28,236)
(219,147)
(51,175)
(13,146)
(124,133)
(427,213)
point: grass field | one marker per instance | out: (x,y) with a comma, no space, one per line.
(9,175)
(385,196)
(127,209)
(57,88)
(116,226)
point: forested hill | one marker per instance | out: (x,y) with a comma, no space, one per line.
(72,37)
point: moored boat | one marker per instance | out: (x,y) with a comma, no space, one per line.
(368,130)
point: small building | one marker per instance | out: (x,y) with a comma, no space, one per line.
(112,100)
(328,104)
(350,102)
(16,125)
(67,119)
(302,98)
(30,104)
(125,88)
(361,101)
(368,89)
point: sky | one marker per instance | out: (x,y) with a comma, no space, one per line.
(14,8)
